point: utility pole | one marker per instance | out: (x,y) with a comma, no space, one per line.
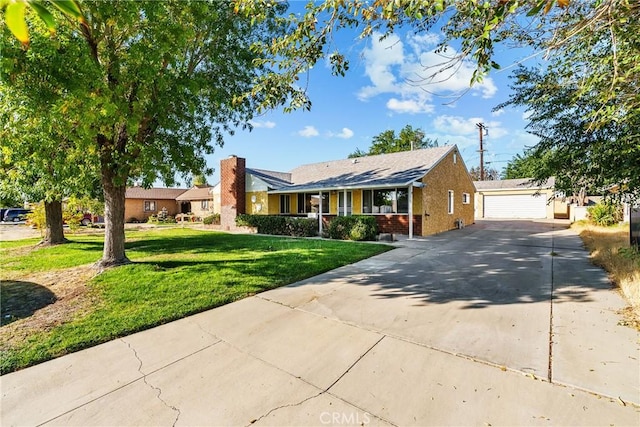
(481,128)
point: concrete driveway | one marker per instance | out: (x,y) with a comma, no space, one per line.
(502,323)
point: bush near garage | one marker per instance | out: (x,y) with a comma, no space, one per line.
(355,227)
(279,225)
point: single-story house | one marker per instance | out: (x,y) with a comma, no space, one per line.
(140,203)
(418,192)
(200,200)
(517,198)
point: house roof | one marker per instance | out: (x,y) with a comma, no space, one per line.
(513,184)
(379,171)
(153,193)
(197,192)
(272,178)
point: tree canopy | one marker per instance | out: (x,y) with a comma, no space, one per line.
(490,174)
(155,85)
(388,142)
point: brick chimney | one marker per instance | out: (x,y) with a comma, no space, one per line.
(232,190)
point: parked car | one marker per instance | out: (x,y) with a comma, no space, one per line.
(15,215)
(91,219)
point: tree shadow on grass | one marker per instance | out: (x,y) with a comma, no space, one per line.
(21,299)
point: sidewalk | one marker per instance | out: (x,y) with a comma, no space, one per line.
(422,335)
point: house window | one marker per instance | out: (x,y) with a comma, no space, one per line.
(341,203)
(455,158)
(466,198)
(149,206)
(310,203)
(385,201)
(450,204)
(204,205)
(285,204)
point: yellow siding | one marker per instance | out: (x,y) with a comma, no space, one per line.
(333,203)
(273,207)
(445,176)
(417,201)
(261,204)
(356,201)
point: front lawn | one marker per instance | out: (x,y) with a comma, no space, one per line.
(52,304)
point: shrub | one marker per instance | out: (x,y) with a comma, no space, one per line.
(212,219)
(355,227)
(153,219)
(36,218)
(605,213)
(302,227)
(279,225)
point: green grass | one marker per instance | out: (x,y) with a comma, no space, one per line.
(175,272)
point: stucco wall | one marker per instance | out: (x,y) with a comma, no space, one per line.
(445,176)
(196,208)
(134,208)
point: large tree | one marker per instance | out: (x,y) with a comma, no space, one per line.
(167,83)
(583,153)
(44,155)
(388,142)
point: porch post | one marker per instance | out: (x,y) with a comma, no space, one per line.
(320,215)
(411,211)
(344,199)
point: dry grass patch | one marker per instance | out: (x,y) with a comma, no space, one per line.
(610,249)
(41,301)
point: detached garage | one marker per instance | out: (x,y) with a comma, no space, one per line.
(514,199)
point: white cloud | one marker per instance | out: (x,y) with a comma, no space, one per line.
(456,125)
(346,133)
(308,132)
(411,106)
(497,113)
(415,73)
(263,124)
(463,132)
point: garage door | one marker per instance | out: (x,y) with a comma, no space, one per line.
(515,206)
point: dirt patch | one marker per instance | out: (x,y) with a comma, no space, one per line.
(40,301)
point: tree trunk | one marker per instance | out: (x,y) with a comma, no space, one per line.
(54,233)
(113,253)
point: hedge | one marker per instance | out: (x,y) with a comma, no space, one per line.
(212,219)
(279,225)
(355,227)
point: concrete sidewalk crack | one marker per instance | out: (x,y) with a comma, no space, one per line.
(289,405)
(354,363)
(157,389)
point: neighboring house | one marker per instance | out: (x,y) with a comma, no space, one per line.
(517,198)
(140,203)
(419,192)
(198,200)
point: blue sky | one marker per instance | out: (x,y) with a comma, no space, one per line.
(379,92)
